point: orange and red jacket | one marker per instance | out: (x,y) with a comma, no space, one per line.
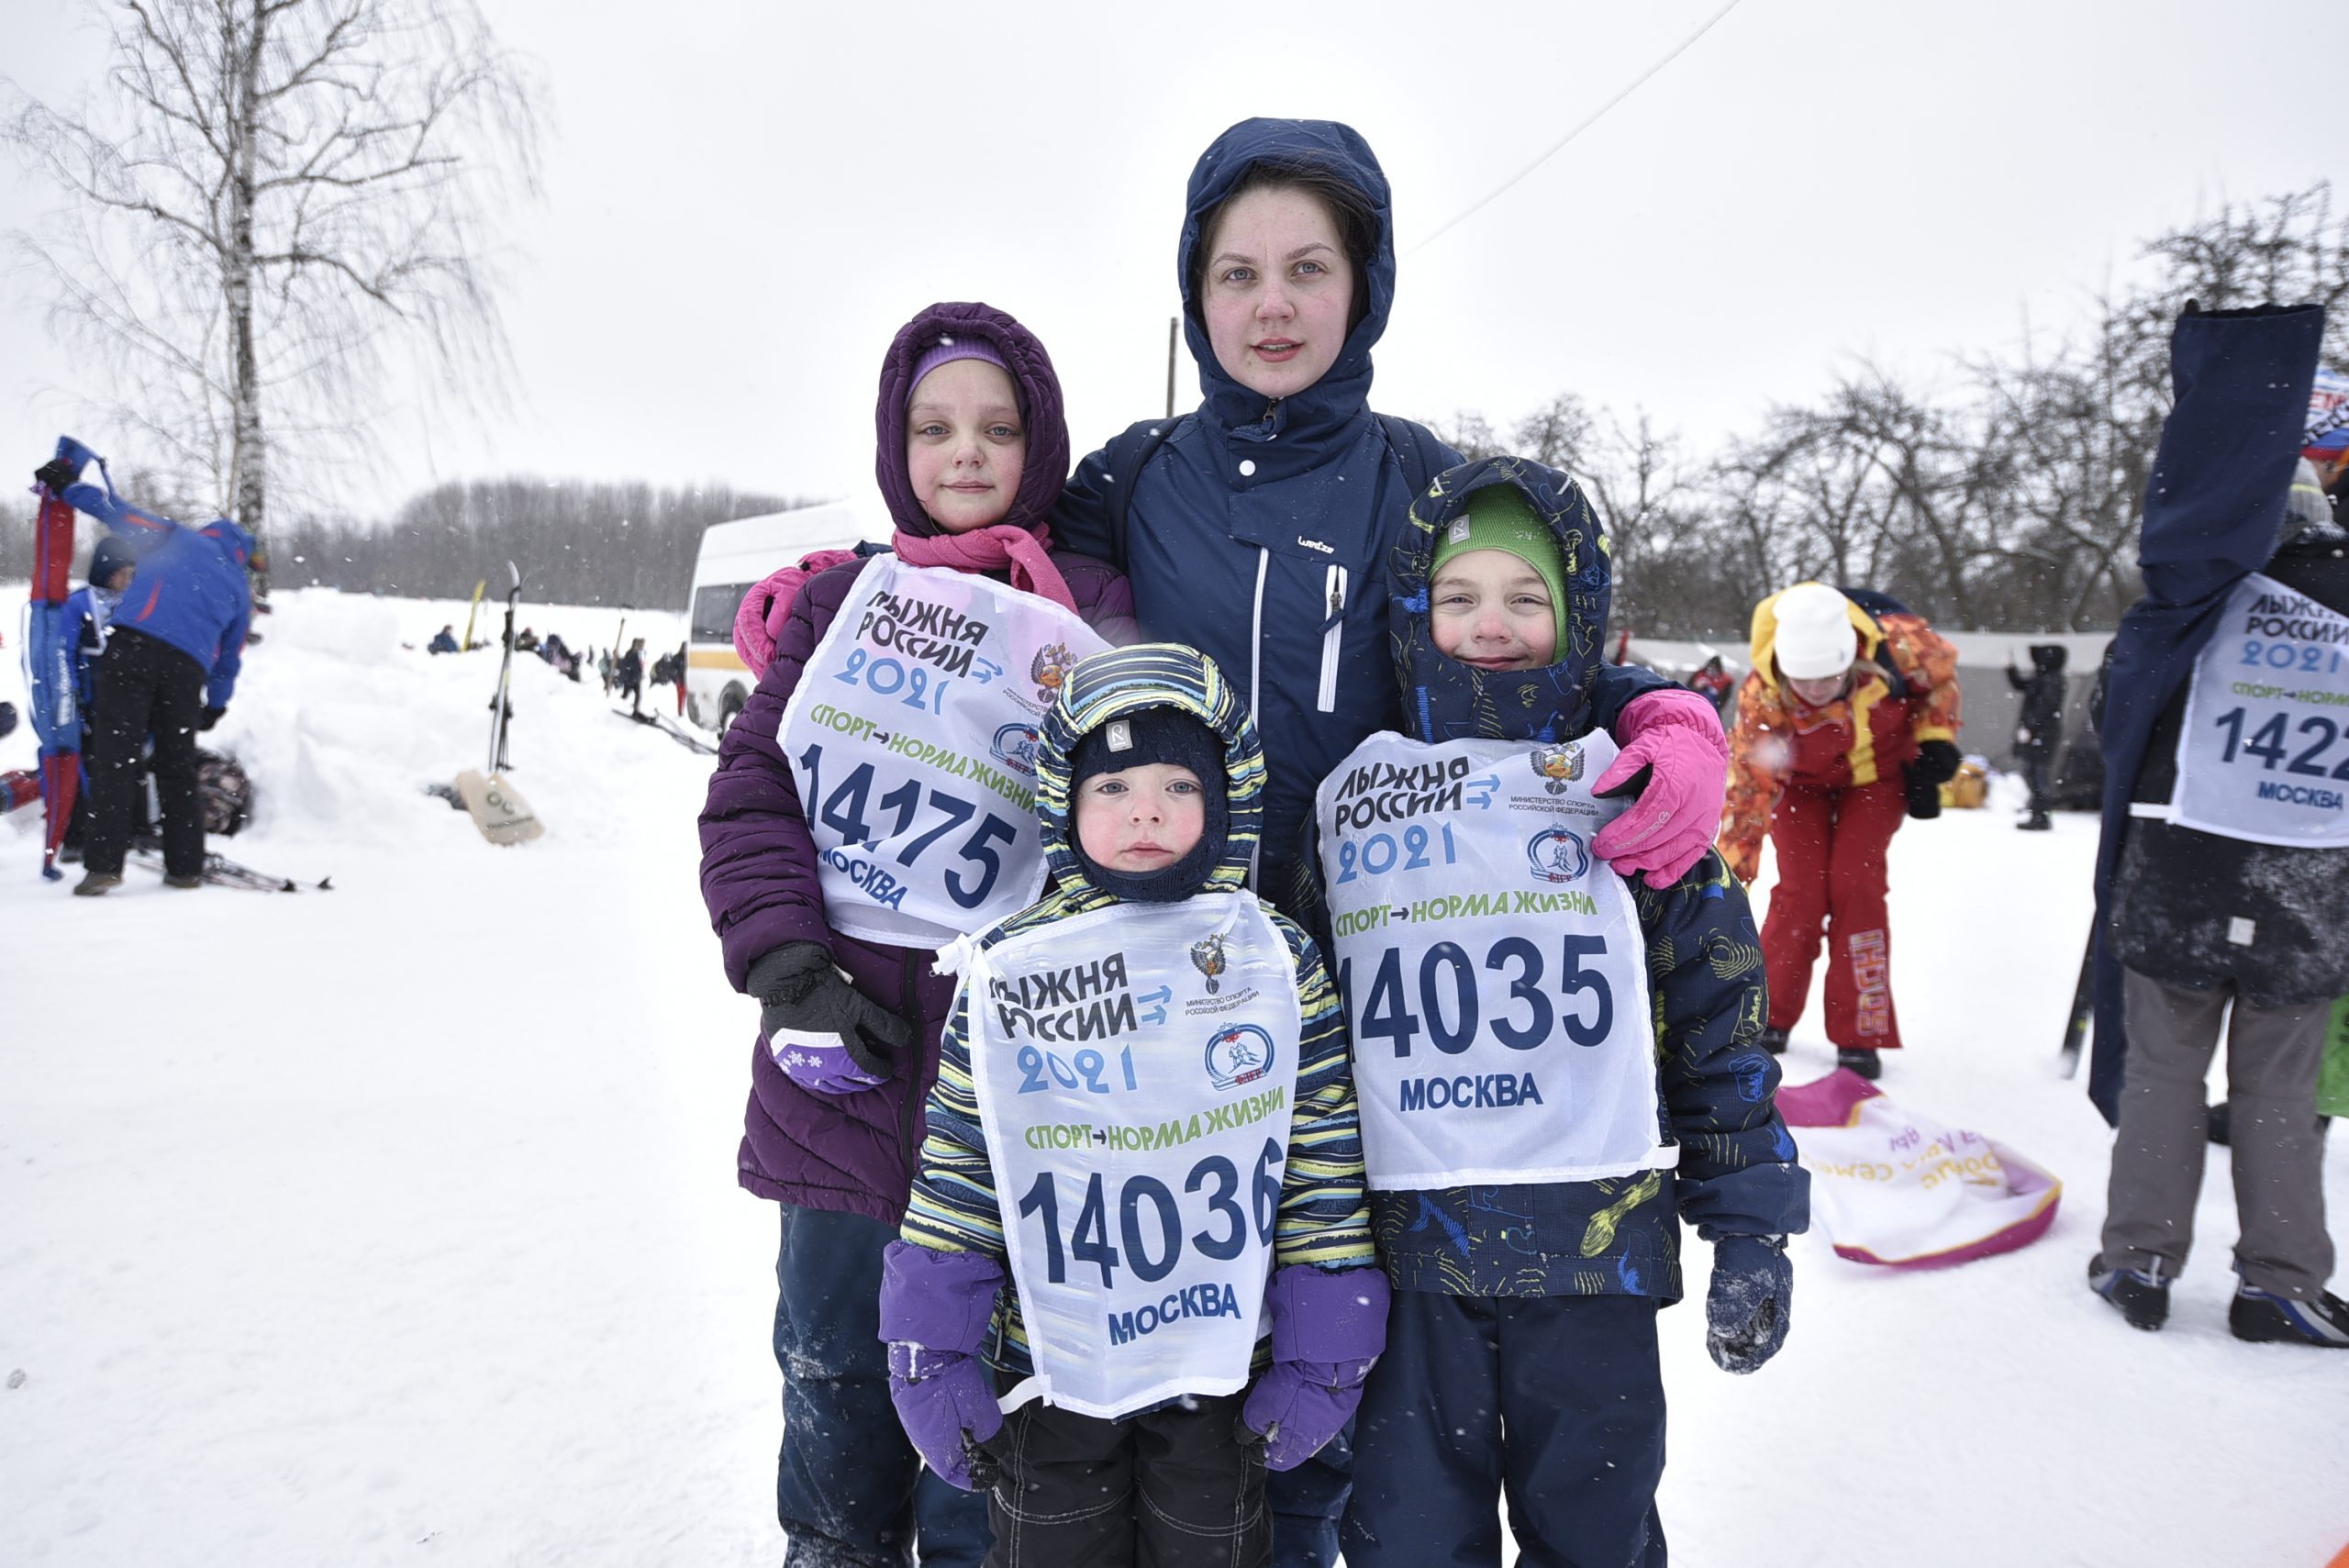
(1904,693)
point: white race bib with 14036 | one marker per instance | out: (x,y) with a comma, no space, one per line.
(2263,755)
(912,737)
(1135,1069)
(1492,969)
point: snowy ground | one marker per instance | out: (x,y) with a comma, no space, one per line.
(397,1223)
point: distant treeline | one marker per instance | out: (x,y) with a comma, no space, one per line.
(576,544)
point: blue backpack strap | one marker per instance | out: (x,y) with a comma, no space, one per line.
(1128,454)
(1415,450)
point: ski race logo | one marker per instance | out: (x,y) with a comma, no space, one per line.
(1238,1053)
(1050,670)
(1207,957)
(1015,747)
(1557,766)
(1557,855)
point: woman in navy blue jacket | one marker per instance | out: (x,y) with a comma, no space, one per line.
(1258,530)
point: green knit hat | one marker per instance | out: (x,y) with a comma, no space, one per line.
(1499,518)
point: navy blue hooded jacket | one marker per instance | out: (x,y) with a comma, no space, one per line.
(190,589)
(2214,505)
(1260,530)
(1716,1088)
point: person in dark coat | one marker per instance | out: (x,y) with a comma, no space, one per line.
(628,673)
(2223,848)
(89,610)
(443,642)
(175,646)
(849,1025)
(1523,1358)
(2039,731)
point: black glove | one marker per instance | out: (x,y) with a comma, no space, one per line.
(1921,782)
(800,992)
(7,716)
(56,473)
(1749,1309)
(212,715)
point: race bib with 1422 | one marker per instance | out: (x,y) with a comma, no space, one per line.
(1493,968)
(912,738)
(1135,1069)
(2263,755)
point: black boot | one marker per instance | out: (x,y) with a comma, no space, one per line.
(1863,1060)
(2141,1295)
(1774,1041)
(2039,823)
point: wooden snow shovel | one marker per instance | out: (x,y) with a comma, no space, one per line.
(498,809)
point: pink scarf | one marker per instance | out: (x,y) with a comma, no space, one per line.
(992,548)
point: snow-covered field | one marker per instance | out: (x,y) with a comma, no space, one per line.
(397,1223)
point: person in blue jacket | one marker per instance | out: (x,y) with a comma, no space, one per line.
(1257,529)
(173,651)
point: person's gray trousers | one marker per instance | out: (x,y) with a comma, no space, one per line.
(2272,1059)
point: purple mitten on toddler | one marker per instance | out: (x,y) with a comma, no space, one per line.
(1327,1329)
(1674,736)
(934,1312)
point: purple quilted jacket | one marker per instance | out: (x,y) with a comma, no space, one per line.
(851,1152)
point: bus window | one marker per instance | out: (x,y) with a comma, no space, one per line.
(714,608)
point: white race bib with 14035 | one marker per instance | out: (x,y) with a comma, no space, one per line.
(2264,753)
(1493,973)
(1135,1069)
(912,737)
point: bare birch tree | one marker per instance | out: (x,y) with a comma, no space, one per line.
(272,207)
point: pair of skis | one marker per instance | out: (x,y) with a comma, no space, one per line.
(219,870)
(672,729)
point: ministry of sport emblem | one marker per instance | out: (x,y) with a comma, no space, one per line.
(1236,1054)
(1015,747)
(1207,957)
(1050,670)
(1557,855)
(1557,765)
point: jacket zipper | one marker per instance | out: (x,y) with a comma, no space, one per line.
(909,1007)
(1255,671)
(1335,588)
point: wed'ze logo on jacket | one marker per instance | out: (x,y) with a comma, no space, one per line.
(1236,1054)
(1557,855)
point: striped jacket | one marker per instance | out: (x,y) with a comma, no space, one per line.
(1323,1219)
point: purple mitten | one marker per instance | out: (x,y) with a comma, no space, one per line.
(1327,1329)
(1675,736)
(935,1308)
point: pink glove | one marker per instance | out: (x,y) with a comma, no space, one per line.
(1675,736)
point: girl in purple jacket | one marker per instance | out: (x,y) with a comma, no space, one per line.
(872,801)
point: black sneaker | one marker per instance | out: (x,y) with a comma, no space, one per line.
(2140,1295)
(2267,1319)
(1863,1060)
(1774,1041)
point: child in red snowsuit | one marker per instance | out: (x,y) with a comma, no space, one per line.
(1847,719)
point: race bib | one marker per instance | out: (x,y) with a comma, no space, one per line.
(1135,1068)
(1492,969)
(2264,753)
(912,737)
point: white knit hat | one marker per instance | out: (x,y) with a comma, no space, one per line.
(1815,636)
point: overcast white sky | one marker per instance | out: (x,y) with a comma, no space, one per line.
(743,201)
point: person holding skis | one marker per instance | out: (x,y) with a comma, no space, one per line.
(1847,718)
(1216,1138)
(872,801)
(2225,842)
(174,649)
(2039,731)
(1256,529)
(1526,1174)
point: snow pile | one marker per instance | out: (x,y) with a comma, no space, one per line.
(397,1223)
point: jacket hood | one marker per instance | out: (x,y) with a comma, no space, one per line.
(1444,699)
(2049,657)
(233,539)
(1344,391)
(1765,635)
(1045,469)
(1127,680)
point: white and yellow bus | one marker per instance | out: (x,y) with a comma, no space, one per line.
(735,558)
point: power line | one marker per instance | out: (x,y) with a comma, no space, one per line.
(1558,146)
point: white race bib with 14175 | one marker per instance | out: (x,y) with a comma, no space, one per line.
(1135,1069)
(2264,753)
(1493,973)
(912,737)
